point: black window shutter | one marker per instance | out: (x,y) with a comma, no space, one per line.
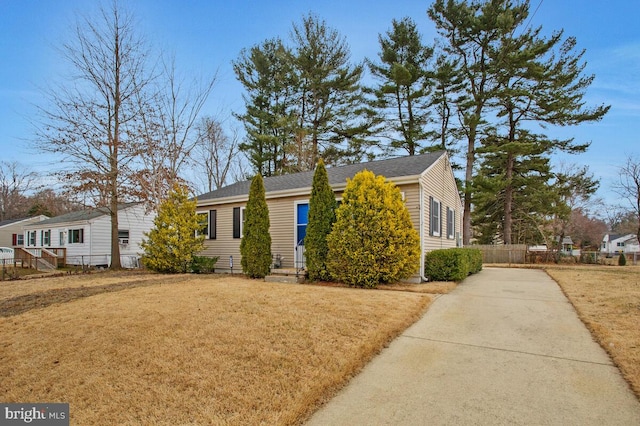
(212,224)
(236,222)
(441,230)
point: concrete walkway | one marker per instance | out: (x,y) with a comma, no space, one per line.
(505,347)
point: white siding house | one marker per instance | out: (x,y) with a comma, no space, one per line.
(86,235)
(615,244)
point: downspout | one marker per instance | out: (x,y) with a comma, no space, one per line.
(422,253)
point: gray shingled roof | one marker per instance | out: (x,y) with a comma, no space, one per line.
(82,215)
(10,221)
(391,168)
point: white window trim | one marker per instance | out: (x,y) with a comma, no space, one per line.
(437,222)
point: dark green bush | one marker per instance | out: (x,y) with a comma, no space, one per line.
(453,264)
(622,260)
(203,264)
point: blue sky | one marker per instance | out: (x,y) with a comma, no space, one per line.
(207,35)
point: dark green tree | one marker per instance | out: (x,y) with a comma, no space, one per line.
(330,96)
(403,94)
(322,215)
(255,246)
(535,83)
(469,30)
(267,74)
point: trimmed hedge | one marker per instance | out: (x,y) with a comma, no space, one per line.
(453,264)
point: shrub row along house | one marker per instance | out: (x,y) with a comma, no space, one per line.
(425,181)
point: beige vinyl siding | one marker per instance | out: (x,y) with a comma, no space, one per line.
(438,182)
(224,245)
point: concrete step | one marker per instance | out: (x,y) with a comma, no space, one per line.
(287,272)
(278,278)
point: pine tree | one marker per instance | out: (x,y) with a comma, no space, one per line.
(403,93)
(172,242)
(322,215)
(255,246)
(373,240)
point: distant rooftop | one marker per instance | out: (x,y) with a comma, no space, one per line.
(82,215)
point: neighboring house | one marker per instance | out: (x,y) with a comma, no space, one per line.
(11,231)
(86,235)
(616,244)
(426,182)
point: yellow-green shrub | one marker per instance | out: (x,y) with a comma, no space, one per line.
(373,240)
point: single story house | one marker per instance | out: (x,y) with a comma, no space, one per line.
(426,182)
(616,244)
(12,233)
(86,235)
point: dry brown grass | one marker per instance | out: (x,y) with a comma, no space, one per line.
(607,299)
(203,350)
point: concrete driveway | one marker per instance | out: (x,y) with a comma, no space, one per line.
(505,347)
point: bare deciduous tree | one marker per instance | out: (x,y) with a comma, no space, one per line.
(89,119)
(216,154)
(168,131)
(15,184)
(628,187)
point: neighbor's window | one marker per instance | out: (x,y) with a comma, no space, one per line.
(123,236)
(61,238)
(76,236)
(45,237)
(19,239)
(31,235)
(621,244)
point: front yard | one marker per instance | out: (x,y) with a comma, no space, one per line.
(607,299)
(154,349)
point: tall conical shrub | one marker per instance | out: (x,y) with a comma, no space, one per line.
(255,246)
(322,215)
(622,259)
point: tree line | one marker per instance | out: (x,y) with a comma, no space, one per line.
(485,89)
(129,128)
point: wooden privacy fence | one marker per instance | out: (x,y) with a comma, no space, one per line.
(514,253)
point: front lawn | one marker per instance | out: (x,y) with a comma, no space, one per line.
(607,299)
(153,349)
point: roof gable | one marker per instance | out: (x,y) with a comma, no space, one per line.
(390,168)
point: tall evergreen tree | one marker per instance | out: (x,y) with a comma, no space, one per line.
(330,97)
(267,74)
(403,94)
(535,83)
(470,29)
(322,215)
(512,76)
(255,246)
